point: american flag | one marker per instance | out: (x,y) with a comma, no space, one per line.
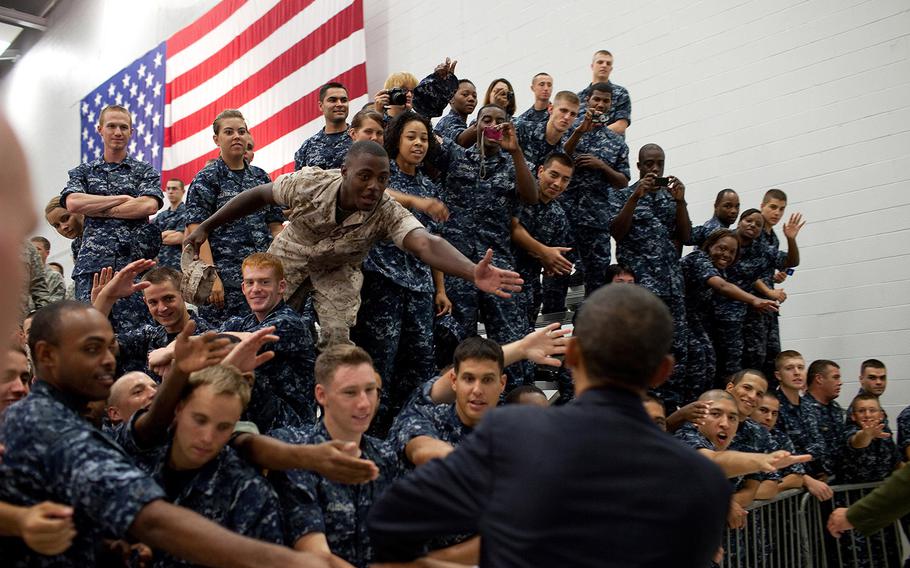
(266,58)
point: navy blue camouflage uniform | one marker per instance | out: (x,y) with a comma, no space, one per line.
(697,269)
(107,241)
(226,490)
(395,321)
(754,262)
(829,420)
(587,202)
(212,187)
(700,233)
(481,208)
(171,220)
(620,107)
(136,343)
(795,420)
(781,441)
(311,503)
(754,438)
(649,250)
(761,331)
(534,115)
(532,137)
(321,150)
(432,94)
(283,393)
(451,125)
(903,431)
(54,454)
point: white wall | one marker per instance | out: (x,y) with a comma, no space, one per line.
(809,96)
(812,97)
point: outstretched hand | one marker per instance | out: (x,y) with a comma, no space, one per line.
(794,225)
(341,462)
(446,68)
(496,280)
(194,353)
(123,283)
(245,355)
(541,344)
(781,459)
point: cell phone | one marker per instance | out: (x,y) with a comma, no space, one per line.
(492,133)
(790,272)
(662,182)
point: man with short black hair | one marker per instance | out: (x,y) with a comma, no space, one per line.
(821,412)
(326,149)
(620,116)
(541,86)
(726,212)
(172,224)
(873,377)
(463,103)
(337,217)
(622,337)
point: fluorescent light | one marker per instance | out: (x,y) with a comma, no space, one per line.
(8,34)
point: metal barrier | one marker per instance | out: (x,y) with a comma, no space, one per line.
(790,531)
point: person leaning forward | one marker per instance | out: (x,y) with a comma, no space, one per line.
(336,217)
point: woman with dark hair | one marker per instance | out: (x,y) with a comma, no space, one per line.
(754,262)
(367,125)
(395,321)
(500,92)
(704,274)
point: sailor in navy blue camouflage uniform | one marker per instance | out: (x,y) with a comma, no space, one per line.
(395,320)
(214,186)
(539,139)
(172,224)
(726,211)
(748,387)
(327,148)
(541,86)
(602,168)
(620,116)
(320,513)
(218,485)
(482,188)
(463,103)
(821,413)
(116,193)
(903,432)
(646,219)
(427,98)
(283,390)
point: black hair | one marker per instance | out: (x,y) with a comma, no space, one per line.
(741,374)
(332,85)
(615,270)
(750,211)
(560,157)
(365,147)
(717,235)
(478,348)
(818,367)
(602,87)
(873,363)
(46,322)
(392,135)
(514,396)
(624,334)
(721,193)
(511,107)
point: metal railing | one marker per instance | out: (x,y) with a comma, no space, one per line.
(790,531)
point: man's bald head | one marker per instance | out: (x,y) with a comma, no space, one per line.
(624,334)
(130,393)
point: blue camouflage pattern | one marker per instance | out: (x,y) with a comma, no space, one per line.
(548,224)
(321,150)
(688,434)
(754,438)
(620,107)
(311,503)
(903,431)
(589,196)
(781,441)
(226,490)
(212,187)
(53,454)
(395,326)
(451,125)
(283,392)
(795,422)
(532,137)
(830,421)
(432,94)
(697,269)
(138,342)
(534,115)
(171,220)
(872,463)
(700,233)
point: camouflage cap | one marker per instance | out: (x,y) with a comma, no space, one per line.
(198,278)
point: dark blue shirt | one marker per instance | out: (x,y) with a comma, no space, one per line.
(875,462)
(620,107)
(534,115)
(53,454)
(451,125)
(321,150)
(314,504)
(214,186)
(532,137)
(171,220)
(699,234)
(587,199)
(137,343)
(754,262)
(548,224)
(108,241)
(697,269)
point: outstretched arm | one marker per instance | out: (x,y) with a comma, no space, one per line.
(243,204)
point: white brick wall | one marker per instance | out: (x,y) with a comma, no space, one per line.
(809,96)
(812,97)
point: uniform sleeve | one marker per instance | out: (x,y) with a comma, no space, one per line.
(693,438)
(698,235)
(134,346)
(621,107)
(75,184)
(149,183)
(55,285)
(616,200)
(202,199)
(622,161)
(433,94)
(299,504)
(37,286)
(884,505)
(256,511)
(300,155)
(290,191)
(99,481)
(449,128)
(397,222)
(704,270)
(442,497)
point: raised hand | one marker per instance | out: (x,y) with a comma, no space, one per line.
(122,285)
(445,68)
(245,355)
(496,280)
(509,141)
(677,188)
(793,225)
(541,344)
(194,353)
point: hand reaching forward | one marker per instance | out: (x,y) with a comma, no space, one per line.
(496,280)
